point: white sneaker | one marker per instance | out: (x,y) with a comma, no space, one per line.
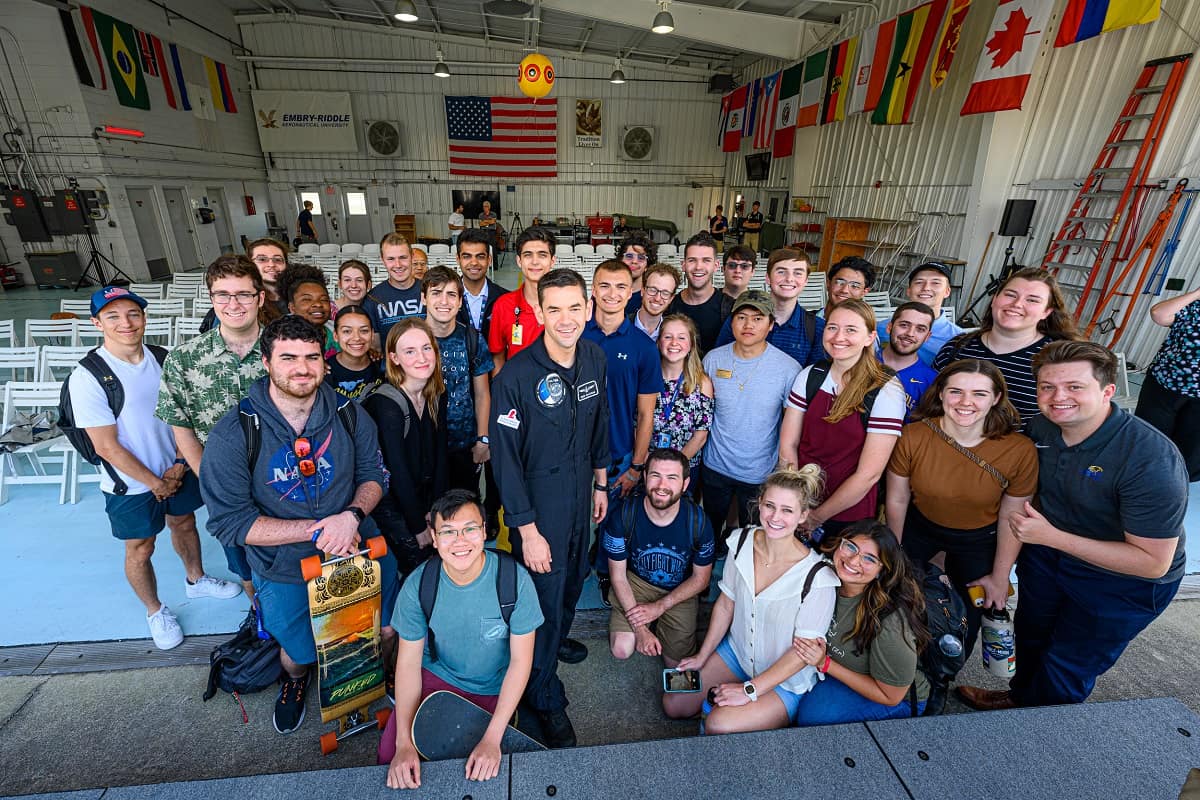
(209,586)
(165,629)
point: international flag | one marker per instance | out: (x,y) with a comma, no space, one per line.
(89,28)
(947,44)
(117,43)
(751,115)
(219,86)
(789,105)
(875,48)
(916,30)
(732,139)
(1002,74)
(503,137)
(154,64)
(812,89)
(764,129)
(177,62)
(1083,19)
(84,70)
(724,120)
(838,83)
(146,51)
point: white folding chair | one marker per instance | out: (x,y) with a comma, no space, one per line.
(187,328)
(57,363)
(8,333)
(418,246)
(351,249)
(22,360)
(149,291)
(28,397)
(368,250)
(329,249)
(80,308)
(51,331)
(561,250)
(193,279)
(308,249)
(161,330)
(879,301)
(812,298)
(439,249)
(174,307)
(184,292)
(948,313)
(201,306)
(606,250)
(666,251)
(583,250)
(87,334)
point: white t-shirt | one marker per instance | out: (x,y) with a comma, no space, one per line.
(456,219)
(148,438)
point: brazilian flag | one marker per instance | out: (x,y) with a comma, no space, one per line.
(118,42)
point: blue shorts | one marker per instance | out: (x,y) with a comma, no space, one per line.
(141,516)
(791,700)
(285,610)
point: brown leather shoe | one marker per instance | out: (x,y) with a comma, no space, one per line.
(985,699)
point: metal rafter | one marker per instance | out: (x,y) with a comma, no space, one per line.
(433,17)
(483,17)
(587,35)
(386,16)
(329,7)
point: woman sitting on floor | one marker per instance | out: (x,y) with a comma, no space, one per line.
(868,659)
(774,588)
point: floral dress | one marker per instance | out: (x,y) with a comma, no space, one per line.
(678,416)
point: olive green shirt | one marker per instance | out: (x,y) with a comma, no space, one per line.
(202,379)
(892,657)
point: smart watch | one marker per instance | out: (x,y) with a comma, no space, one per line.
(751,692)
(357,512)
(483,440)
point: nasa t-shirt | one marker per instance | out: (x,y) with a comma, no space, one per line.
(661,556)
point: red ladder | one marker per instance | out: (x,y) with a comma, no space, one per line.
(1098,232)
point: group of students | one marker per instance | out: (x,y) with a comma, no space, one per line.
(678,425)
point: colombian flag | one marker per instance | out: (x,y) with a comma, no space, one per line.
(218,84)
(118,43)
(916,31)
(1083,19)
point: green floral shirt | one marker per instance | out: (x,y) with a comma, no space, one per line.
(202,379)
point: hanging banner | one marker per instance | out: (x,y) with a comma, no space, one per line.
(588,123)
(304,122)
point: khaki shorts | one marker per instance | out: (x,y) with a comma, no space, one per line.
(676,629)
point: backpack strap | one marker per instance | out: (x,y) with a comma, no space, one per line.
(427,592)
(873,394)
(159,353)
(398,397)
(252,430)
(810,327)
(746,534)
(348,416)
(812,576)
(506,585)
(816,376)
(114,393)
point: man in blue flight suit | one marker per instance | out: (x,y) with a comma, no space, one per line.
(549,437)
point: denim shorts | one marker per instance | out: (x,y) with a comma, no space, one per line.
(791,700)
(285,610)
(141,516)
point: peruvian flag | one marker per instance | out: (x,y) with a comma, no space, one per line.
(732,141)
(875,51)
(764,128)
(1005,65)
(789,105)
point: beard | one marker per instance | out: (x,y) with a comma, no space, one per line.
(662,505)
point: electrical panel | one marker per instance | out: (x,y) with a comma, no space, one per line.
(25,212)
(72,211)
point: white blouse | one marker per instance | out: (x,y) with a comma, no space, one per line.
(763,625)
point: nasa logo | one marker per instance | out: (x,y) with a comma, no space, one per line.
(550,390)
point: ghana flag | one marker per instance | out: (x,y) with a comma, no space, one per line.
(916,31)
(840,80)
(118,43)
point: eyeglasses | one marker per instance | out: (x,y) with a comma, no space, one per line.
(269,260)
(739,265)
(651,292)
(303,449)
(842,283)
(851,550)
(224,298)
(472,533)
(632,256)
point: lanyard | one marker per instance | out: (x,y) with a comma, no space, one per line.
(674,396)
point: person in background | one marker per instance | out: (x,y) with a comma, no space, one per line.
(795,330)
(456,224)
(700,300)
(929,283)
(305,228)
(908,330)
(850,278)
(487,219)
(303,285)
(683,412)
(1170,396)
(752,227)
(420,264)
(738,269)
(637,251)
(412,438)
(956,477)
(620,228)
(354,281)
(399,297)
(869,658)
(751,677)
(351,371)
(718,223)
(837,428)
(271,258)
(660,283)
(515,324)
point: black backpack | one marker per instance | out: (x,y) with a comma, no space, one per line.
(945,615)
(114,392)
(244,664)
(506,591)
(252,427)
(695,518)
(816,376)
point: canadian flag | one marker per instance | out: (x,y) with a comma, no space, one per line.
(1002,74)
(732,140)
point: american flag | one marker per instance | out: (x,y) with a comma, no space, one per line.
(503,137)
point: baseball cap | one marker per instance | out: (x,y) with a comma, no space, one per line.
(936,266)
(104,296)
(756,299)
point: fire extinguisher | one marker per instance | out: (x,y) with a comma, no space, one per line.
(691,210)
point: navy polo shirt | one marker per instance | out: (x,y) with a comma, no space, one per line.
(790,337)
(1125,477)
(633,369)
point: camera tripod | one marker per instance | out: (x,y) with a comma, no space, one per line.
(994,282)
(95,264)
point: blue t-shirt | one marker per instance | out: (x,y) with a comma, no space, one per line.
(916,378)
(472,641)
(387,305)
(790,337)
(633,369)
(460,397)
(661,556)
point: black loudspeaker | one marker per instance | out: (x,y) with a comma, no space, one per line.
(720,84)
(1017,216)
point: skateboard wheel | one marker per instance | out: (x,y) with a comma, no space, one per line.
(329,743)
(377,547)
(310,567)
(382,716)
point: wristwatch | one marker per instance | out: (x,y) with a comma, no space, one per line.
(751,692)
(599,487)
(638,467)
(358,513)
(484,440)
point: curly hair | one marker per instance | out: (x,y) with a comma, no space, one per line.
(295,276)
(642,240)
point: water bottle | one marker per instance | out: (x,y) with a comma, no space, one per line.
(999,647)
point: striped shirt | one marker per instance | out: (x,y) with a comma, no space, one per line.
(1016,367)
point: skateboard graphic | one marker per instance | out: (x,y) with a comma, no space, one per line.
(448,726)
(344,595)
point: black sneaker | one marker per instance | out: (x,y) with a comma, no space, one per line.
(605,587)
(289,708)
(572,651)
(556,729)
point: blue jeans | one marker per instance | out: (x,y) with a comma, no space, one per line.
(832,702)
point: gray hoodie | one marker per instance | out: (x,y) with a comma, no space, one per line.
(236,498)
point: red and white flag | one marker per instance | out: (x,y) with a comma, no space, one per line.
(875,50)
(1002,74)
(503,137)
(732,141)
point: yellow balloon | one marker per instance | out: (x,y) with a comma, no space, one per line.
(536,78)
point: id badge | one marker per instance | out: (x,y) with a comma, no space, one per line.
(662,441)
(516,334)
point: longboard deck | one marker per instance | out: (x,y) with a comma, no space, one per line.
(448,726)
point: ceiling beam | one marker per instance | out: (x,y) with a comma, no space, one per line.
(771,35)
(386,16)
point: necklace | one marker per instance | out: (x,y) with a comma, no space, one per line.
(742,383)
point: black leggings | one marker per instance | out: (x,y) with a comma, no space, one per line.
(969,556)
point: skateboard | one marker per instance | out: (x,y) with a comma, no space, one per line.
(448,726)
(344,595)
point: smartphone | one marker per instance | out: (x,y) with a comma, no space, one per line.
(676,681)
